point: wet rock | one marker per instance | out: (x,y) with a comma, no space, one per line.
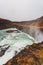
(3,49)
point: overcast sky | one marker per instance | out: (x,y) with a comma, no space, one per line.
(19,10)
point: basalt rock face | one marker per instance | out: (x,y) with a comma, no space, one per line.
(31,55)
(4,23)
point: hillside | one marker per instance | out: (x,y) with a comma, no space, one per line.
(33,23)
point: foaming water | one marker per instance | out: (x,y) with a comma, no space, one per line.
(15,43)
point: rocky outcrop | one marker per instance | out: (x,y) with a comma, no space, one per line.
(31,55)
